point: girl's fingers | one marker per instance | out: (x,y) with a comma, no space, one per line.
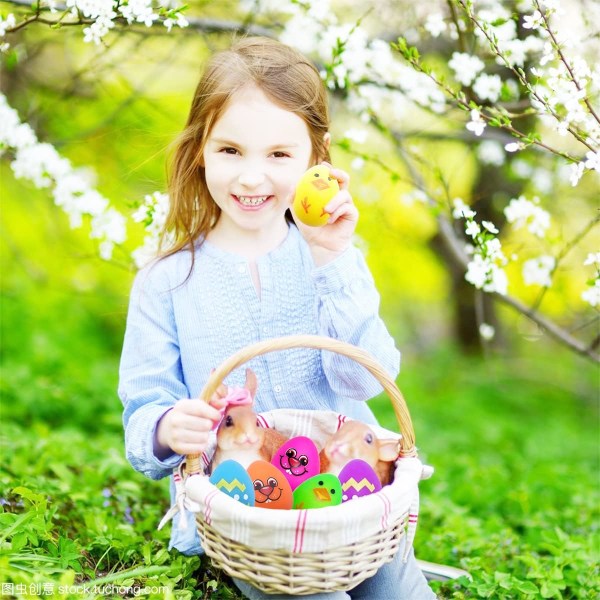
(342,177)
(341,198)
(198,408)
(184,423)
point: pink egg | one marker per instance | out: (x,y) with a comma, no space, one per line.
(298,460)
(358,479)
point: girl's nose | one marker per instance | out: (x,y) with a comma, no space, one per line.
(251,176)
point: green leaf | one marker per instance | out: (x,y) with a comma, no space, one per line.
(526,587)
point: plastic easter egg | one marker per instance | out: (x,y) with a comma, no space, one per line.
(358,479)
(314,190)
(297,459)
(271,488)
(319,491)
(232,479)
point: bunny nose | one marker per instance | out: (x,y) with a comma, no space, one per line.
(267,490)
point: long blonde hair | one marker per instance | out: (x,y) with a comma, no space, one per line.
(285,76)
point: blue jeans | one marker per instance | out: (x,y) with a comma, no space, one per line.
(394,581)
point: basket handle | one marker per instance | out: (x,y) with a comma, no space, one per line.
(407,443)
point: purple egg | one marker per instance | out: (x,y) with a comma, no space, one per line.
(358,479)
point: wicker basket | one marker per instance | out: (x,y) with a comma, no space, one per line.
(296,570)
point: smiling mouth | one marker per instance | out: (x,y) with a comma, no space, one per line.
(251,200)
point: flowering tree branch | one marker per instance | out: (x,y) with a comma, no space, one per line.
(77,18)
(456,246)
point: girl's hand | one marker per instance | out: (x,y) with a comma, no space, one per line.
(328,242)
(185,428)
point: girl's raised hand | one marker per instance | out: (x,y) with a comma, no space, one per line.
(185,428)
(332,239)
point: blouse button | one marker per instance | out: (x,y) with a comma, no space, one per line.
(277,388)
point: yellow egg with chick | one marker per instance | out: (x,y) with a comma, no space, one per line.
(314,191)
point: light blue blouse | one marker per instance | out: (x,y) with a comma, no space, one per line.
(179,328)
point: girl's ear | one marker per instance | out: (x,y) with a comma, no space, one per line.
(327,141)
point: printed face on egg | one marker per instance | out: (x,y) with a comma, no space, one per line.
(271,489)
(297,459)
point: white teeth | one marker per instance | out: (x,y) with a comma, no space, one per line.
(251,200)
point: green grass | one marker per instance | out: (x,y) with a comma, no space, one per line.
(514,499)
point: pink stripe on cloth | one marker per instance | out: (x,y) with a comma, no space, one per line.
(300,528)
(263,422)
(208,506)
(387,506)
(205,459)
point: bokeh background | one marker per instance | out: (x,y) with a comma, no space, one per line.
(510,424)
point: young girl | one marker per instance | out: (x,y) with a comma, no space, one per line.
(239,270)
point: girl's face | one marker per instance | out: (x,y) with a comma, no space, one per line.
(253,158)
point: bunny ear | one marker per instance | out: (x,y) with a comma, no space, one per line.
(388,449)
(251,382)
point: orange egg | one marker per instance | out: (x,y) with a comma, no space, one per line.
(271,488)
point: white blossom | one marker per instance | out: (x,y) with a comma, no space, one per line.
(460,210)
(593,258)
(7,23)
(522,168)
(435,24)
(488,87)
(593,160)
(533,21)
(477,271)
(357,135)
(472,229)
(490,227)
(466,67)
(42,165)
(493,250)
(476,124)
(592,294)
(491,152)
(415,196)
(514,146)
(486,275)
(358,163)
(522,212)
(487,331)
(102,14)
(538,271)
(576,172)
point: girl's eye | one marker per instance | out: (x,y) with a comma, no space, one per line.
(229,150)
(280,155)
